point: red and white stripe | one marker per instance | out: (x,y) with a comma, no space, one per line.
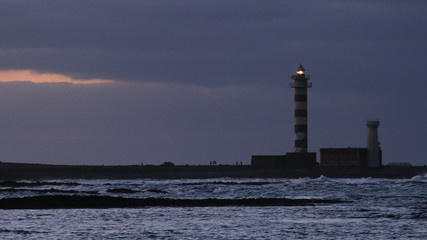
(300,84)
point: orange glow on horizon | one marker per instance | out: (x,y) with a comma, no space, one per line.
(35,77)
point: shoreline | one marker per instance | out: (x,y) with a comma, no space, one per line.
(24,171)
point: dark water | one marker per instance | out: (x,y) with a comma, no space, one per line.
(379,209)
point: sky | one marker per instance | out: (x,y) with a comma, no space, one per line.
(194,81)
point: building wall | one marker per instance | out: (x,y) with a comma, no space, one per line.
(343,157)
(301,159)
(267,160)
(289,160)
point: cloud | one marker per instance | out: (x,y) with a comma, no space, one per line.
(35,77)
(205,42)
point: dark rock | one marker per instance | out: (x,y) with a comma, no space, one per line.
(52,190)
(121,190)
(241,183)
(156,191)
(226,183)
(76,201)
(35,184)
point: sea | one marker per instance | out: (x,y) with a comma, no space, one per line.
(373,209)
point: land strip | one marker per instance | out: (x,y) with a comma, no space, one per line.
(19,171)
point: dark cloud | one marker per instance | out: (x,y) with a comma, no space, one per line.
(201,42)
(208,80)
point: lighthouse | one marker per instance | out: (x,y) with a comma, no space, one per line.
(300,83)
(300,156)
(373,146)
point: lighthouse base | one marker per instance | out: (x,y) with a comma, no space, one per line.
(289,160)
(301,159)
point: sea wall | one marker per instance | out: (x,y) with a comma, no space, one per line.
(16,171)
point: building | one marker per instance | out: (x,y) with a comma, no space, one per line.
(288,160)
(343,157)
(373,146)
(371,156)
(268,160)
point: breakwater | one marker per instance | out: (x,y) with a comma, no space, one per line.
(20,171)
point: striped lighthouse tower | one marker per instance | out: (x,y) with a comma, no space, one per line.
(300,84)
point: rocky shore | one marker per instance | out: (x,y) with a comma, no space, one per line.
(19,171)
(78,201)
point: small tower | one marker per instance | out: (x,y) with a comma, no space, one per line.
(373,146)
(300,84)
